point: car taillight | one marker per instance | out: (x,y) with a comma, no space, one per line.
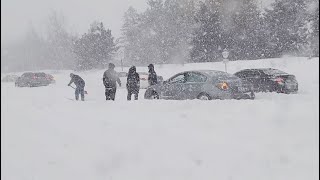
(279,80)
(223,86)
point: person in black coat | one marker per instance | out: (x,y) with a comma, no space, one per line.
(79,82)
(152,77)
(110,80)
(133,83)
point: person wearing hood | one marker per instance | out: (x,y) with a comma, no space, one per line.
(152,77)
(110,80)
(133,83)
(79,82)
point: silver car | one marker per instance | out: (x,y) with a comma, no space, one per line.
(203,84)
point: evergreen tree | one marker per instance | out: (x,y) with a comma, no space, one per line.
(248,43)
(315,32)
(209,37)
(284,21)
(59,42)
(95,48)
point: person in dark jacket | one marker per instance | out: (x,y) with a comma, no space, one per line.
(152,77)
(133,83)
(110,79)
(79,82)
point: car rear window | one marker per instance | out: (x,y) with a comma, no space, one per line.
(40,74)
(122,74)
(273,72)
(142,73)
(27,75)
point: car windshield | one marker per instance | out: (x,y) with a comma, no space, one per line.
(122,74)
(27,75)
(142,73)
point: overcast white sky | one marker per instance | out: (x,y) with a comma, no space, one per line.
(17,14)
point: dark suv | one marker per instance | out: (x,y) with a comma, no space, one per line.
(269,80)
(31,79)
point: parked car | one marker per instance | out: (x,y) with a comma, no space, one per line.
(10,78)
(203,84)
(143,79)
(51,78)
(269,80)
(31,79)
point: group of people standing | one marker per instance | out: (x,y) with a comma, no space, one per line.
(110,80)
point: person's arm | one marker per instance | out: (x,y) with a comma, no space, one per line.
(104,79)
(138,80)
(71,81)
(156,78)
(149,79)
(118,80)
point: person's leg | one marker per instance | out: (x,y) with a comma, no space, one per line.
(77,91)
(129,95)
(82,93)
(136,96)
(107,93)
(113,93)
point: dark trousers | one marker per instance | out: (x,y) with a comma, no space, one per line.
(130,92)
(79,90)
(110,93)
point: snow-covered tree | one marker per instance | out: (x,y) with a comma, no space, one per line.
(247,33)
(95,48)
(160,34)
(209,36)
(59,42)
(285,20)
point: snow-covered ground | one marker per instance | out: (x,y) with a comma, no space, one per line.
(46,136)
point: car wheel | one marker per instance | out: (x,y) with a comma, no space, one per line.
(204,96)
(252,95)
(151,95)
(154,95)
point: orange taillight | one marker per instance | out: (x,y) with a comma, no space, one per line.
(223,86)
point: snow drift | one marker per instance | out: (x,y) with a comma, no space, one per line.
(274,137)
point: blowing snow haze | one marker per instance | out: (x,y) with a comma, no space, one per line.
(160,89)
(16,15)
(42,34)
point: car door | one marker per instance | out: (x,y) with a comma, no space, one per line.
(253,76)
(193,85)
(172,89)
(263,81)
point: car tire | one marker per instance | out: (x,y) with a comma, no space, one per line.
(152,95)
(204,96)
(252,95)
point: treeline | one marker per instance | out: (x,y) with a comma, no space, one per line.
(174,31)
(57,48)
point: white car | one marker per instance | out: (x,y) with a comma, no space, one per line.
(143,79)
